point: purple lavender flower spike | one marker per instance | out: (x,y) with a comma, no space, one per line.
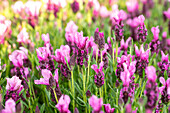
(118,27)
(9,106)
(75,6)
(133,23)
(80,49)
(142,59)
(60,55)
(164,64)
(63,104)
(151,89)
(165,90)
(124,45)
(13,88)
(99,77)
(108,108)
(45,58)
(155,44)
(141,30)
(96,104)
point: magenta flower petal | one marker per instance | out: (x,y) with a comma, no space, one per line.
(151,73)
(95,103)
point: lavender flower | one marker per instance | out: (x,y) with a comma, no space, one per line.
(96,104)
(118,27)
(108,108)
(133,23)
(99,39)
(151,89)
(32,9)
(165,90)
(129,66)
(99,77)
(155,44)
(45,58)
(63,104)
(60,55)
(75,6)
(164,64)
(13,88)
(142,59)
(9,106)
(128,83)
(18,56)
(23,37)
(51,82)
(141,30)
(124,45)
(132,7)
(46,74)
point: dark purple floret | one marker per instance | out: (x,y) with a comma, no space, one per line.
(75,6)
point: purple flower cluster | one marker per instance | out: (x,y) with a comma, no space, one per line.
(51,81)
(97,103)
(13,88)
(141,30)
(99,77)
(61,55)
(45,54)
(164,65)
(165,90)
(142,59)
(128,81)
(118,27)
(155,44)
(75,6)
(129,65)
(151,89)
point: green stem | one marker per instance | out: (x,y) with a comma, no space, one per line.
(84,89)
(72,79)
(144,84)
(55,95)
(100,91)
(89,108)
(88,70)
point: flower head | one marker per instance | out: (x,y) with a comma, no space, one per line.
(43,53)
(108,108)
(13,84)
(95,103)
(18,56)
(104,12)
(155,31)
(18,7)
(80,41)
(23,36)
(141,19)
(167,13)
(151,73)
(125,76)
(164,57)
(132,5)
(46,74)
(63,104)
(62,53)
(45,38)
(165,84)
(70,30)
(32,8)
(9,106)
